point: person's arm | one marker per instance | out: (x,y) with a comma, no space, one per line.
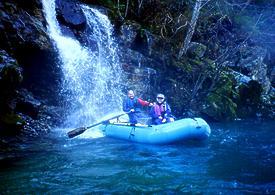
(143,102)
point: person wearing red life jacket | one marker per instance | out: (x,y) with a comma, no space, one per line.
(161,111)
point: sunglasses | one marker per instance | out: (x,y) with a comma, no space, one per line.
(160,98)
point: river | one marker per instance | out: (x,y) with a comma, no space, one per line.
(238,158)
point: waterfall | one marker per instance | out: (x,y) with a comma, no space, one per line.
(91,79)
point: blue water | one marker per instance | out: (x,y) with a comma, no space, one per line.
(238,158)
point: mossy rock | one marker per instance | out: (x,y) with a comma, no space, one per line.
(220,104)
(220,108)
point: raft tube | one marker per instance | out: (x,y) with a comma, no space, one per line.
(184,129)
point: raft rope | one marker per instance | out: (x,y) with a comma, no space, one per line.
(198,125)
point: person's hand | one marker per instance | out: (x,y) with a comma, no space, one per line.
(160,117)
(151,104)
(132,110)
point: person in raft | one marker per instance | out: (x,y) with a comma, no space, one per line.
(133,105)
(161,111)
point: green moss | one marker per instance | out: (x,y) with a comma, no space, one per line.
(221,107)
(220,103)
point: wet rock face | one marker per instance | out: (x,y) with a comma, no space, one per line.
(27,59)
(23,34)
(20,111)
(22,26)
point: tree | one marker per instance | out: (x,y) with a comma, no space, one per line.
(191,29)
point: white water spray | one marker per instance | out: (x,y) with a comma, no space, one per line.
(91,78)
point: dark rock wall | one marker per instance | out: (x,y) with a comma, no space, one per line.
(29,60)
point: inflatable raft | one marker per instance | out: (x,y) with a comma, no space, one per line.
(184,129)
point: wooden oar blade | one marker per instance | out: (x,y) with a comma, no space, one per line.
(76,132)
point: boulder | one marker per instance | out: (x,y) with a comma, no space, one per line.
(70,14)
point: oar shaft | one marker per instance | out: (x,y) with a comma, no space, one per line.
(81,130)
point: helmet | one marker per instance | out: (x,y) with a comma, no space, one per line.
(160,98)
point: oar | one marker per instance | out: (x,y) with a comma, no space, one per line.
(80,130)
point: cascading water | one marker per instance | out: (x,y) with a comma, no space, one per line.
(91,78)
